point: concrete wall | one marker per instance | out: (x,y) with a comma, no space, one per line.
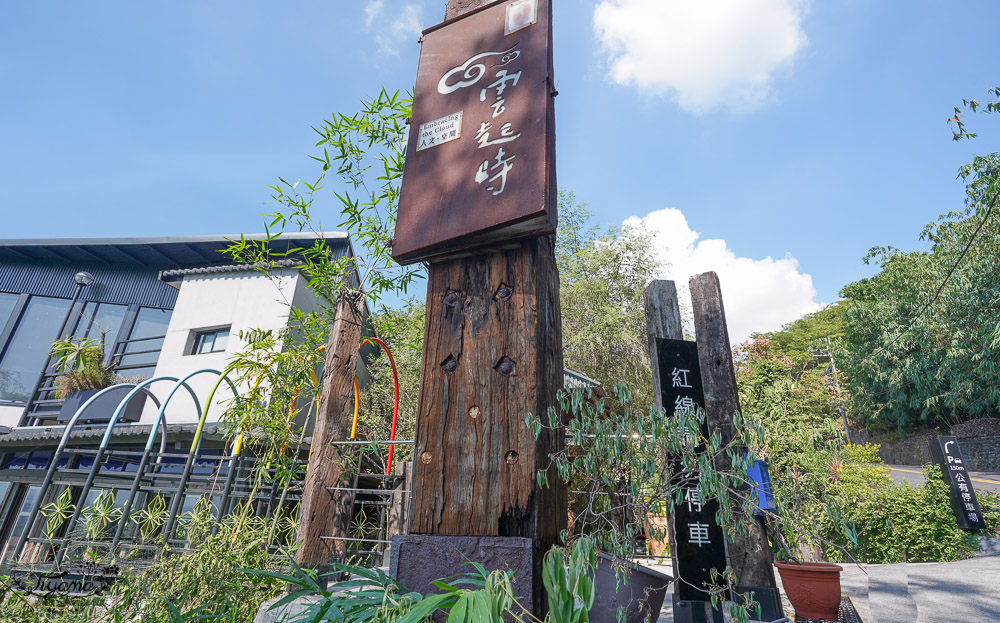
(242,301)
(980,453)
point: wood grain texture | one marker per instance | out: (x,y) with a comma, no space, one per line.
(749,556)
(492,355)
(663,320)
(322,512)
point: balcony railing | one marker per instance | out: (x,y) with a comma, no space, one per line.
(132,358)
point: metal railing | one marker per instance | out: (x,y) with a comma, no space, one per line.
(255,483)
(43,404)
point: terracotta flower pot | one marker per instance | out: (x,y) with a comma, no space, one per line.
(813,588)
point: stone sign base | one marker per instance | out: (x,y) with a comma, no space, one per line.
(769,600)
(417,560)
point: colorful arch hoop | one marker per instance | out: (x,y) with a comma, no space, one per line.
(395,406)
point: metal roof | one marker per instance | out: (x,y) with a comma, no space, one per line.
(163,252)
(574,378)
(39,435)
(179,273)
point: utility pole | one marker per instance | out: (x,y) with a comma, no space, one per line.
(836,385)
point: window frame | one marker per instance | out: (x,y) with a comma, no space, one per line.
(197,339)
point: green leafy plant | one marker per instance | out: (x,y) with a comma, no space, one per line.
(569,583)
(477,595)
(150,519)
(624,462)
(81,365)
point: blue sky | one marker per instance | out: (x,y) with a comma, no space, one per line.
(804,132)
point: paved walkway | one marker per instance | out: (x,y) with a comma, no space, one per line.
(966,591)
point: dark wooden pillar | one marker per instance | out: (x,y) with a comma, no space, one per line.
(492,355)
(492,349)
(663,320)
(749,556)
(326,512)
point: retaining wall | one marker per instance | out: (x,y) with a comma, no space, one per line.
(982,454)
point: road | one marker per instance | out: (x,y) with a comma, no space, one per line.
(914,474)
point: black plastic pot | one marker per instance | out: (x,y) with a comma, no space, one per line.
(642,597)
(102,409)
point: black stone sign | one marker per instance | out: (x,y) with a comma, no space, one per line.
(948,455)
(700,543)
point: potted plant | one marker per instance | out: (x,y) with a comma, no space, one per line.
(83,373)
(812,587)
(623,463)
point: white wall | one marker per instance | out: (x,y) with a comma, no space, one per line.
(243,300)
(10,415)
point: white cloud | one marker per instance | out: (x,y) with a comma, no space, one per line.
(371,11)
(394,26)
(703,54)
(759,295)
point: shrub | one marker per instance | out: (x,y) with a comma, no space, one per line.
(897,523)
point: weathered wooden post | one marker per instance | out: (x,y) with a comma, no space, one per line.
(749,556)
(478,203)
(663,322)
(327,501)
(700,374)
(696,540)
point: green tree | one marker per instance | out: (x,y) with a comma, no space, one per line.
(402,330)
(795,401)
(922,338)
(601,280)
(801,339)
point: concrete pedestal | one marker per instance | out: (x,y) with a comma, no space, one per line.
(417,560)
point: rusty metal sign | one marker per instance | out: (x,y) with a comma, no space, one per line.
(480,160)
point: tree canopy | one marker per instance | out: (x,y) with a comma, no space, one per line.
(923,334)
(602,277)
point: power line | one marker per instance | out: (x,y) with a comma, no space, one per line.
(937,294)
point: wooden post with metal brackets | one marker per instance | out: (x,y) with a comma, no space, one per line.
(327,498)
(493,341)
(750,555)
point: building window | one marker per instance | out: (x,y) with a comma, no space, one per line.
(29,347)
(7,303)
(101,322)
(140,352)
(210,341)
(21,518)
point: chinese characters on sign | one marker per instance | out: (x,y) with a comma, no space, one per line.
(506,132)
(491,71)
(700,544)
(948,455)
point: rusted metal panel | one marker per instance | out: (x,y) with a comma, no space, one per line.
(480,161)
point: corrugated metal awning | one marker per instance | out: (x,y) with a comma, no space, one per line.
(40,436)
(169,252)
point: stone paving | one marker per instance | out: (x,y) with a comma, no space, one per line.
(966,591)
